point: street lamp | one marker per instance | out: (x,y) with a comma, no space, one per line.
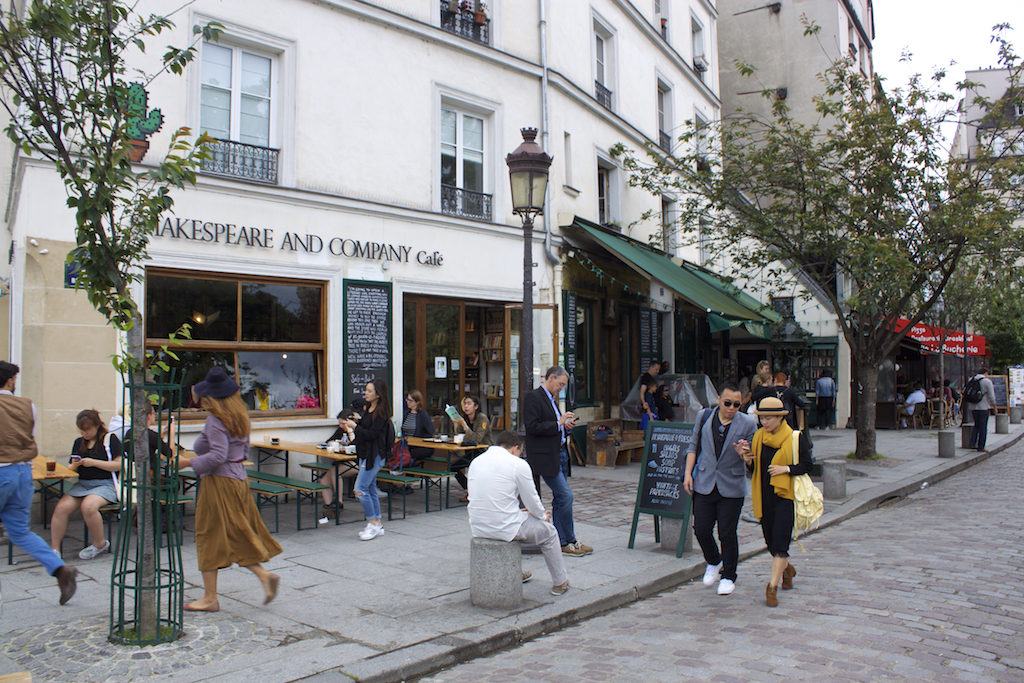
(528,168)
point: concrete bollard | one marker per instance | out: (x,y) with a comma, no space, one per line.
(670,529)
(833,479)
(495,573)
(947,443)
(1002,423)
(1015,414)
(965,435)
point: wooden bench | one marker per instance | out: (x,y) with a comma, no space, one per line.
(267,494)
(399,481)
(303,489)
(431,479)
(619,448)
(112,511)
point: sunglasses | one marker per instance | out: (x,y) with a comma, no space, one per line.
(731,404)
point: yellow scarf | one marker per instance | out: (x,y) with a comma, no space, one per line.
(782,441)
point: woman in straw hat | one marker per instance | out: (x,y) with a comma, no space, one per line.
(228,526)
(769,458)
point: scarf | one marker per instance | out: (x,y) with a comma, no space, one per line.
(782,442)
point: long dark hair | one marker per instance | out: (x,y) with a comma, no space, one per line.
(383,407)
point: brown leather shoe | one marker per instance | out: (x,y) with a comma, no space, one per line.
(787,577)
(771,597)
(67,580)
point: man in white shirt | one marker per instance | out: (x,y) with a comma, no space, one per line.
(498,479)
(916,397)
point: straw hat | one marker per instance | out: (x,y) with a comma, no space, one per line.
(771,406)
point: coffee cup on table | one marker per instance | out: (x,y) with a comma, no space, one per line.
(274,440)
(51,465)
(458,438)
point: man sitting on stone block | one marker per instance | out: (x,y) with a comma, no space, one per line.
(498,479)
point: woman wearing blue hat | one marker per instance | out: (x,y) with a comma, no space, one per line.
(229,529)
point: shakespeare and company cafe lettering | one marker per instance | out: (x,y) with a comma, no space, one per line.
(196,230)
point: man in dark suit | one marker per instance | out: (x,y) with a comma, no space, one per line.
(547,429)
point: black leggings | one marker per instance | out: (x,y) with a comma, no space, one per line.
(777,524)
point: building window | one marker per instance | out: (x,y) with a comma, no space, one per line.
(462,165)
(606,200)
(584,375)
(700,127)
(668,225)
(567,158)
(466,18)
(700,60)
(664,117)
(703,242)
(661,17)
(603,65)
(267,333)
(783,305)
(235,108)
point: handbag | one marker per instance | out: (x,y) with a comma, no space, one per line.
(400,456)
(808,502)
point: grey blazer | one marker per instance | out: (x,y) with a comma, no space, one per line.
(728,472)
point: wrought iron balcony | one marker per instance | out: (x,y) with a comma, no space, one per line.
(239,160)
(603,94)
(665,141)
(465,203)
(466,23)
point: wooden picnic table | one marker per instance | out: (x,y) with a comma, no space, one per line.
(50,484)
(449,447)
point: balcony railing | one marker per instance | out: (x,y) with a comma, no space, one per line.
(603,94)
(465,203)
(239,160)
(664,141)
(466,23)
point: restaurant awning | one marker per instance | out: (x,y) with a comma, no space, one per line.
(698,286)
(717,324)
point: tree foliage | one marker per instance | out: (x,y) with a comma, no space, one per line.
(867,194)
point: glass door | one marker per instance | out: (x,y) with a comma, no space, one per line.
(443,328)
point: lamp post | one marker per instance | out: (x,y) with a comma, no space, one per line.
(940,308)
(528,168)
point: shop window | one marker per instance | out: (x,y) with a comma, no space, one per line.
(235,108)
(584,377)
(268,334)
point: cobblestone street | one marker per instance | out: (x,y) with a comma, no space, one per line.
(924,589)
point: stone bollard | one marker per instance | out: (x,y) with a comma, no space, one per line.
(670,529)
(965,435)
(495,573)
(947,443)
(1002,423)
(1015,414)
(833,479)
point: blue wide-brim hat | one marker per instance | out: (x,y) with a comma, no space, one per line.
(216,385)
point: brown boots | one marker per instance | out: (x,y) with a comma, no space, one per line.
(787,577)
(771,596)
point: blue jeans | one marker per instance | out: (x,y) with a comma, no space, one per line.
(366,488)
(980,430)
(561,501)
(16,491)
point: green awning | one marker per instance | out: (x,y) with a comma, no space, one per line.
(757,329)
(691,283)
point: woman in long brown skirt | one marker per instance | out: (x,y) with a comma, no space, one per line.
(229,529)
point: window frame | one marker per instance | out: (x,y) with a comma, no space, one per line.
(611,197)
(490,113)
(587,305)
(603,67)
(460,148)
(238,48)
(665,113)
(698,47)
(238,346)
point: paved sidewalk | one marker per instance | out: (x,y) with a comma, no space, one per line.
(398,606)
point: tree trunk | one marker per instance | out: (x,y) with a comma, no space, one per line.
(146,616)
(867,377)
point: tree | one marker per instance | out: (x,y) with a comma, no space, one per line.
(63,66)
(868,194)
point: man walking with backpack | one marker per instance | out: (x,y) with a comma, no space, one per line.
(980,396)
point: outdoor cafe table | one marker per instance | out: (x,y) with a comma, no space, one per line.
(449,447)
(266,450)
(51,484)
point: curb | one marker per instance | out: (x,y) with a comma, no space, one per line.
(430,656)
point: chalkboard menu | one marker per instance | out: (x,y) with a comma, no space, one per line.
(367,335)
(1001,386)
(569,325)
(661,492)
(650,336)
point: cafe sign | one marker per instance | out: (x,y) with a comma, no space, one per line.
(230,234)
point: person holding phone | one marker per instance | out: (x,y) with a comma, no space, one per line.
(547,433)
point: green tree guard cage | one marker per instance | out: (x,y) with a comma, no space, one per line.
(147,582)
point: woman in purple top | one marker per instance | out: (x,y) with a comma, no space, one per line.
(228,526)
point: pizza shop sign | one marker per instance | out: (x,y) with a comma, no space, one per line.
(210,232)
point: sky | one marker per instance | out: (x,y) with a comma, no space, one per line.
(938,31)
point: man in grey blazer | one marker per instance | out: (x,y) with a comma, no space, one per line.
(717,481)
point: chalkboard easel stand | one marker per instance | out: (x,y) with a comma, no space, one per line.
(681,510)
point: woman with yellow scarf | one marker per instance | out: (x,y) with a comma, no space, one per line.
(769,458)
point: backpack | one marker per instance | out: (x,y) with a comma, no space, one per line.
(973,392)
(808,503)
(396,452)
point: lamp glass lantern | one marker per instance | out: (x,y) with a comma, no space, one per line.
(528,168)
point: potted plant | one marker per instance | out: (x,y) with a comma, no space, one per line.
(480,16)
(140,124)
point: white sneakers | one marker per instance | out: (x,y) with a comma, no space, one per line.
(711,574)
(90,551)
(371,532)
(725,587)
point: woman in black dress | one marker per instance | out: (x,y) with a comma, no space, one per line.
(769,458)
